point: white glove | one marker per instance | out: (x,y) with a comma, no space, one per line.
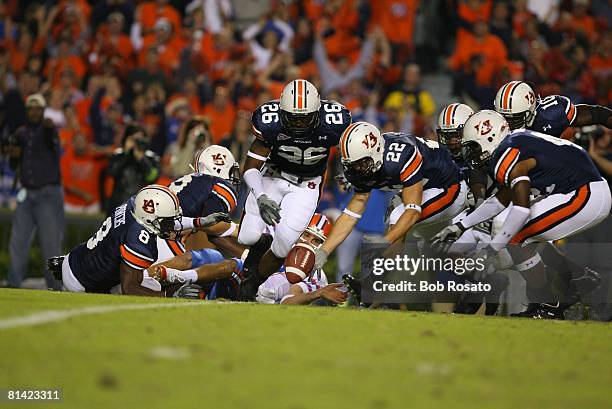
(269,210)
(443,240)
(320,258)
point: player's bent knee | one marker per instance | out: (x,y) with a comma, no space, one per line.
(248,237)
(284,239)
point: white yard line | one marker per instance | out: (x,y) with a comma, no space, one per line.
(48,316)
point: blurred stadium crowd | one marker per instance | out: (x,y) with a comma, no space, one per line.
(160,79)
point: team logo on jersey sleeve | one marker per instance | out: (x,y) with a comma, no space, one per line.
(148,206)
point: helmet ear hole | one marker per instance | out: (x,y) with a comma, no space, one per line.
(490,139)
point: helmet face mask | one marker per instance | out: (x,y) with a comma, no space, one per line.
(299,125)
(472,153)
(517,102)
(168,228)
(519,120)
(451,138)
(362,171)
(299,108)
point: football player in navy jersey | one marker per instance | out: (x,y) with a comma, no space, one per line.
(208,195)
(571,197)
(430,183)
(284,171)
(126,245)
(552,115)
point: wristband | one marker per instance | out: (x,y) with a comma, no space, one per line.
(352,214)
(519,179)
(229,231)
(256,156)
(412,206)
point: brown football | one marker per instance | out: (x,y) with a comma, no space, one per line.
(299,262)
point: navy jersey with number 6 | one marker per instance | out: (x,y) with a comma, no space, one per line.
(562,166)
(408,159)
(305,156)
(200,195)
(120,239)
(554,114)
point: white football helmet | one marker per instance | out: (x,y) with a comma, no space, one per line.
(450,125)
(218,161)
(516,101)
(299,108)
(361,151)
(482,134)
(157,209)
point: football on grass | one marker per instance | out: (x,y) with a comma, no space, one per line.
(299,262)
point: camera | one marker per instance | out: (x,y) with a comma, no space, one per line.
(583,137)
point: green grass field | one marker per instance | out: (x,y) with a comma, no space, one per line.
(215,355)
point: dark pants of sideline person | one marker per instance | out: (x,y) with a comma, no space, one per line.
(42,211)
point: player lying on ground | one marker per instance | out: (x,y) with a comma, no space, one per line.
(215,277)
(211,189)
(140,232)
(571,197)
(430,184)
(284,171)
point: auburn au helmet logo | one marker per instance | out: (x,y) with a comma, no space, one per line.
(218,159)
(484,127)
(148,206)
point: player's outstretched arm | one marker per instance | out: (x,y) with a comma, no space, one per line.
(343,227)
(330,292)
(132,283)
(256,158)
(520,189)
(592,115)
(412,197)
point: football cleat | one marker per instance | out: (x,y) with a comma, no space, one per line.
(542,312)
(54,265)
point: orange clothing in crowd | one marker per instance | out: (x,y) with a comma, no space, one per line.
(492,50)
(346,18)
(470,15)
(169,53)
(519,20)
(221,122)
(587,25)
(79,172)
(19,58)
(150,12)
(396,17)
(55,67)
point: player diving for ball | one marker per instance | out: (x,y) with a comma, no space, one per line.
(284,171)
(569,194)
(211,276)
(431,185)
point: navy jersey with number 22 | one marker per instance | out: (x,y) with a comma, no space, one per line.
(408,159)
(305,156)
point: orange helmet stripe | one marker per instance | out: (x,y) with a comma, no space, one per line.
(344,140)
(508,93)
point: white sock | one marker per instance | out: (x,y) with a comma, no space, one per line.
(178,276)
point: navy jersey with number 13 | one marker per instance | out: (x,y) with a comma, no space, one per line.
(305,156)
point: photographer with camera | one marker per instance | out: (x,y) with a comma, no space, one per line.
(34,154)
(597,140)
(132,166)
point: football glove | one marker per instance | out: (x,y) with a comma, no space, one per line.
(444,239)
(268,209)
(190,291)
(320,258)
(213,219)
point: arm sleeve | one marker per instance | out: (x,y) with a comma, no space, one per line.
(254,181)
(517,217)
(358,70)
(486,211)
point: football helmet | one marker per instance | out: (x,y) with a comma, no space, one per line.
(482,134)
(157,209)
(450,126)
(299,108)
(361,149)
(516,101)
(319,226)
(218,161)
